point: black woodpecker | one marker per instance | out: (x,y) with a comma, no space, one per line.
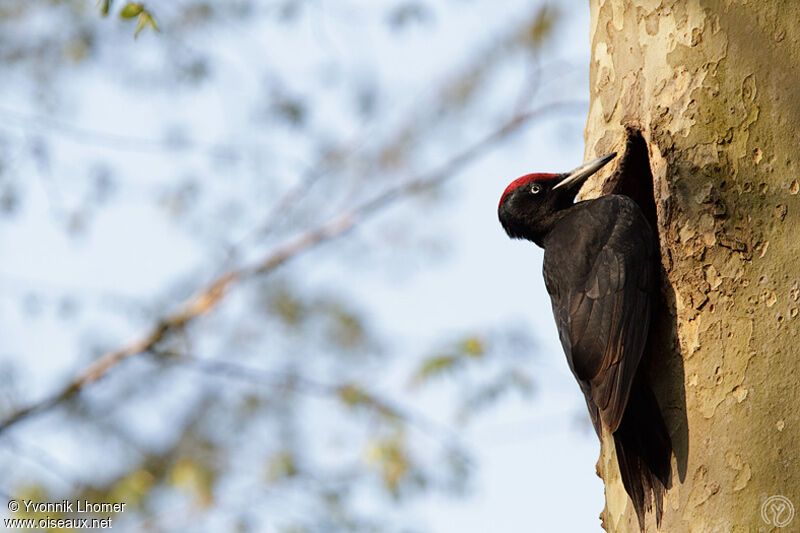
(600,272)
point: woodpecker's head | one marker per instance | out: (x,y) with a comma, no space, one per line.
(530,204)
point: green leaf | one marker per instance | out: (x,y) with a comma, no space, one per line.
(433,366)
(542,26)
(133,487)
(473,347)
(389,455)
(151,22)
(105,6)
(145,20)
(195,478)
(347,330)
(282,465)
(287,307)
(354,396)
(456,358)
(131,10)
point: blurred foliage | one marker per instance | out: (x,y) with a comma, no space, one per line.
(542,26)
(195,478)
(437,364)
(285,402)
(281,466)
(489,384)
(389,455)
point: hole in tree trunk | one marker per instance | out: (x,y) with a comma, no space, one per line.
(633,177)
(662,359)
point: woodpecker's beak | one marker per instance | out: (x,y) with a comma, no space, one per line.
(579,175)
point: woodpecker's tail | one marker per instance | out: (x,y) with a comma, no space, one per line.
(644,451)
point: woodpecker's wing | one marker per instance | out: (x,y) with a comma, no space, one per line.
(602,308)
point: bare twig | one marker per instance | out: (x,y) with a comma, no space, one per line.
(115,141)
(205,299)
(310,177)
(44,461)
(258,376)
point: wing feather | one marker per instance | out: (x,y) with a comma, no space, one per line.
(603,318)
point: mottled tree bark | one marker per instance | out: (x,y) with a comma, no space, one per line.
(703,99)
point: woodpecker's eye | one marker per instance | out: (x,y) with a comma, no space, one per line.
(536,188)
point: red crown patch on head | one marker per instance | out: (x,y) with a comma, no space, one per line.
(524,180)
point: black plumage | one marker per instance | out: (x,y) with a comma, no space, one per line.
(600,272)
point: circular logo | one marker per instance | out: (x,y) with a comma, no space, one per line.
(777,511)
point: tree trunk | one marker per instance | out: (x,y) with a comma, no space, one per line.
(703,100)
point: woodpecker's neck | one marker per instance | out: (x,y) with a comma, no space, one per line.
(542,227)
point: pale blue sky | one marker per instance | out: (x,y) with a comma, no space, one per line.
(535,460)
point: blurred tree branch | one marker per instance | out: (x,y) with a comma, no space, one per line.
(351,394)
(28,451)
(209,296)
(114,141)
